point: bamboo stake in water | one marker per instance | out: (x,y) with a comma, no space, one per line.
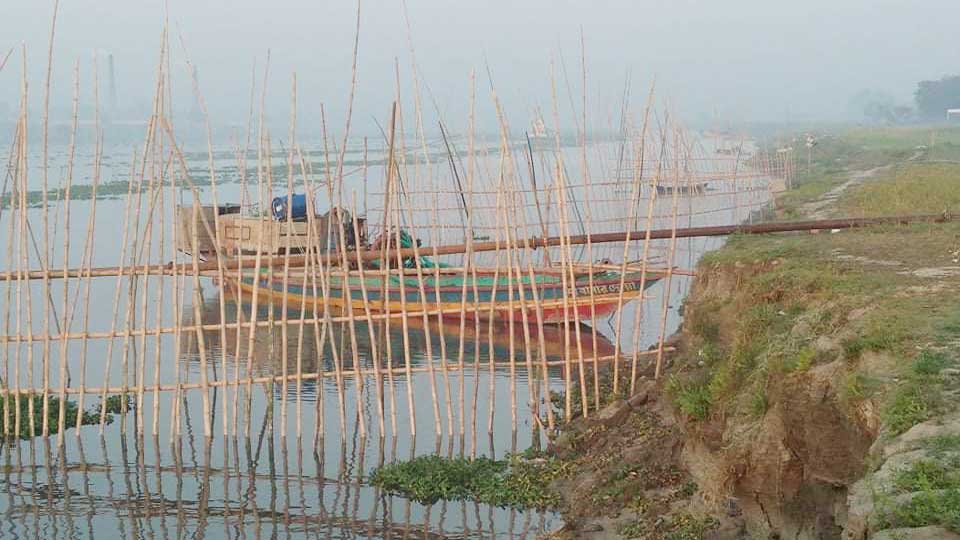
(45,259)
(24,255)
(87,258)
(633,206)
(284,329)
(669,278)
(588,203)
(385,262)
(346,289)
(20,188)
(374,351)
(14,172)
(64,344)
(217,240)
(644,259)
(258,261)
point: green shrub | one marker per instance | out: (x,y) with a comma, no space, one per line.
(926,475)
(8,406)
(117,404)
(930,363)
(929,508)
(515,482)
(912,403)
(693,399)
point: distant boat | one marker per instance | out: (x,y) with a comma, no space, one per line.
(539,137)
(693,188)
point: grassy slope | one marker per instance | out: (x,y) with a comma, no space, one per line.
(879,305)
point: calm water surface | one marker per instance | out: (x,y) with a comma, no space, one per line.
(286,461)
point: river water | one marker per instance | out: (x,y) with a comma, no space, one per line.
(290,461)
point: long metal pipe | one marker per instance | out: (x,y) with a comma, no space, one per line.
(172,268)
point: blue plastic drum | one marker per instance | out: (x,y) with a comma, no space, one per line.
(298,211)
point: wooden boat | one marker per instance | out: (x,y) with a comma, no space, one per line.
(493,296)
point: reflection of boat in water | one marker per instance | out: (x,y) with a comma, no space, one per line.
(492,337)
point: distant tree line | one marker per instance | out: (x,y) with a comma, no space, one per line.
(931,101)
(933,98)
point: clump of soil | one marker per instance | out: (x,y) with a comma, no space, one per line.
(630,480)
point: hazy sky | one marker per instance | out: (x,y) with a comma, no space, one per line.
(741,59)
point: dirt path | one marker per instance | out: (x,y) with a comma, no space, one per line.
(820,208)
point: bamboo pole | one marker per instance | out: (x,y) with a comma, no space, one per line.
(87,258)
(669,279)
(538,312)
(341,252)
(177,296)
(420,289)
(64,345)
(45,259)
(651,201)
(467,260)
(258,259)
(634,203)
(284,329)
(589,223)
(375,357)
(491,370)
(14,172)
(510,310)
(158,310)
(20,184)
(320,330)
(347,292)
(24,255)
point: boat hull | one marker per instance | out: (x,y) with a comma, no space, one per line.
(503,300)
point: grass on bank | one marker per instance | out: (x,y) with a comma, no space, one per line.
(860,149)
(935,485)
(793,302)
(916,188)
(793,293)
(515,482)
(682,526)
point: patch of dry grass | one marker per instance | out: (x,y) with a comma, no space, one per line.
(916,188)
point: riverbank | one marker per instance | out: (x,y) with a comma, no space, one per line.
(814,390)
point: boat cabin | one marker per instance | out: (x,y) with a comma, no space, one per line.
(249,235)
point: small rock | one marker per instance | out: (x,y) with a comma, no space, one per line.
(638,400)
(733,508)
(592,527)
(614,412)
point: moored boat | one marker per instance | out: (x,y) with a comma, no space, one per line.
(549,294)
(491,295)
